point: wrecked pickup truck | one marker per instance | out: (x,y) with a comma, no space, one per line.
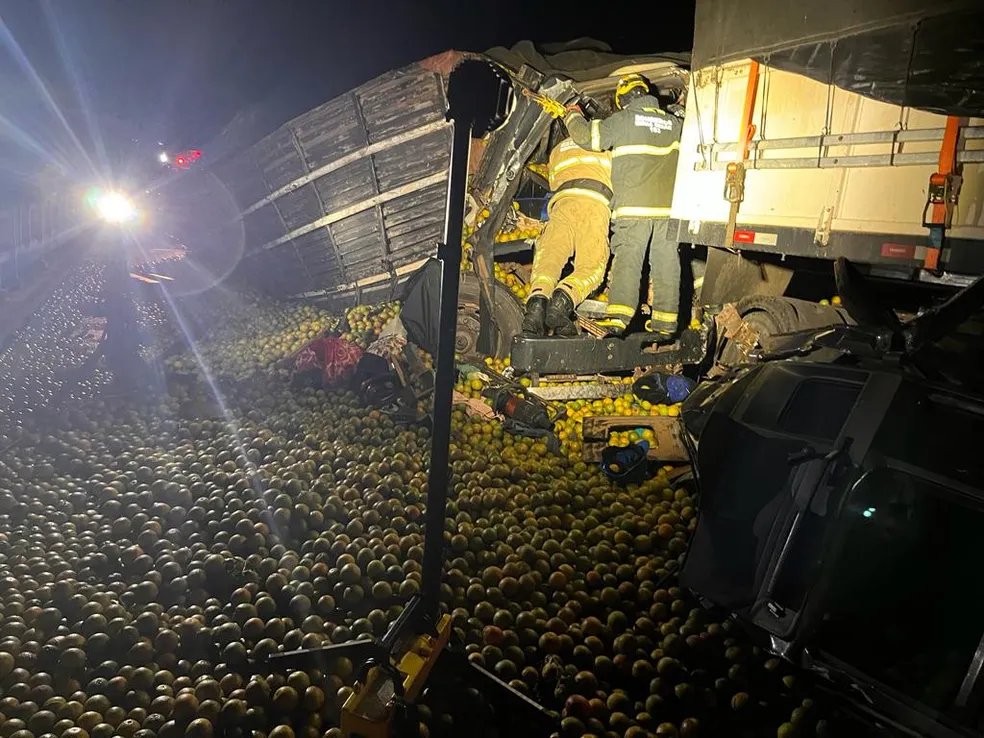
(841,500)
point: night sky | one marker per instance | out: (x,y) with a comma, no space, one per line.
(125,74)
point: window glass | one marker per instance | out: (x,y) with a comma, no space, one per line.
(906,606)
(933,432)
(819,408)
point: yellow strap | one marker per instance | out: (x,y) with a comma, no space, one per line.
(629,211)
(663,317)
(645,150)
(596,135)
(580,193)
(698,282)
(616,309)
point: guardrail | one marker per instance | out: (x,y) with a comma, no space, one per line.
(29,233)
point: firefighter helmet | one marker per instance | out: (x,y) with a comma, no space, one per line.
(631,85)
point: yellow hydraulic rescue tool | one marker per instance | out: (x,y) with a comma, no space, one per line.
(372,711)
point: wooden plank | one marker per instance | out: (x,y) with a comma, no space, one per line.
(260,227)
(588,391)
(393,103)
(374,179)
(397,166)
(668,446)
(300,207)
(326,239)
(357,208)
(347,186)
(402,271)
(396,140)
(328,132)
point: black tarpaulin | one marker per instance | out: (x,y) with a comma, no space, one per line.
(581,60)
(906,52)
(421,306)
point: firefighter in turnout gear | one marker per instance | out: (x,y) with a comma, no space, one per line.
(578,217)
(645,143)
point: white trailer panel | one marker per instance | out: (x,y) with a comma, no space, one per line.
(802,175)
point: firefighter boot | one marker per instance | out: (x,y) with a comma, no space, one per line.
(532,327)
(560,314)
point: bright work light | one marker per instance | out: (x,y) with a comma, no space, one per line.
(115,207)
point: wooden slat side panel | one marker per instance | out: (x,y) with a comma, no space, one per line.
(414,160)
(398,231)
(407,98)
(415,224)
(299,207)
(347,186)
(262,226)
(278,160)
(329,132)
(322,270)
(360,245)
(243,180)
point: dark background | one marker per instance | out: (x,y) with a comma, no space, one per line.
(87,84)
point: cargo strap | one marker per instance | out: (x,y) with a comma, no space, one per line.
(734,180)
(943,192)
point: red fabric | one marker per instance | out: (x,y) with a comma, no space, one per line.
(335,357)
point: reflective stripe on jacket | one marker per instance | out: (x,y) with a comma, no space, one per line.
(569,161)
(573,169)
(645,146)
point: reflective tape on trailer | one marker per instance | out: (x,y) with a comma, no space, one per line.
(907,251)
(756,237)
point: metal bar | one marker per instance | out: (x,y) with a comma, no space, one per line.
(844,139)
(303,658)
(345,160)
(420,184)
(833,162)
(437,477)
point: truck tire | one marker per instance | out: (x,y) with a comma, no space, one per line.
(508,316)
(770,316)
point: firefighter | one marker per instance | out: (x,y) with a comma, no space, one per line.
(578,217)
(645,142)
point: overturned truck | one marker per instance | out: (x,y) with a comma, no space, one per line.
(832,135)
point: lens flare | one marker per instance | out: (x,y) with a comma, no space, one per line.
(115,207)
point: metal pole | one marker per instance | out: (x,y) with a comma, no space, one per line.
(438,475)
